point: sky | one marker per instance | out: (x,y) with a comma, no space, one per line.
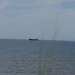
(44,19)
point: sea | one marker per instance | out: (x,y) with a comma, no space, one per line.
(42,57)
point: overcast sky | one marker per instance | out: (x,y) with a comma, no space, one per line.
(24,19)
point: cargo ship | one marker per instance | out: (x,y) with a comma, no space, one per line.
(33,39)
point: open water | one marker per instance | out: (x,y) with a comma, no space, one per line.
(24,57)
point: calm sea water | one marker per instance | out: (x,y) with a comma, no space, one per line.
(24,57)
